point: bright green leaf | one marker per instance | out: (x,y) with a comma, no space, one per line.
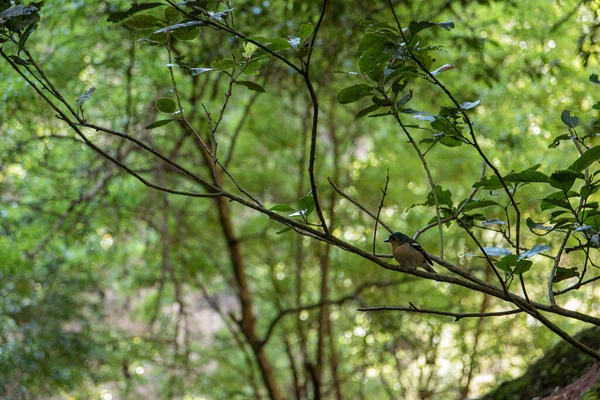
(166,105)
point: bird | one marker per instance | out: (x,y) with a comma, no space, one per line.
(409,253)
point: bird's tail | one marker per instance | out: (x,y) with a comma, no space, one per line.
(428,268)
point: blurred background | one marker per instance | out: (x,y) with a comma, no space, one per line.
(112,290)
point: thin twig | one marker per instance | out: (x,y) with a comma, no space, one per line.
(457,316)
(383,194)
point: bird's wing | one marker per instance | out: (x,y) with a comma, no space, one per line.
(417,246)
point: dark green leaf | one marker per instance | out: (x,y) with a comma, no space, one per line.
(522,267)
(586,159)
(374,56)
(166,105)
(354,93)
(473,205)
(307,204)
(594,79)
(569,120)
(565,273)
(222,64)
(289,228)
(186,34)
(160,122)
(558,139)
(252,86)
(489,183)
(135,8)
(366,111)
(507,262)
(444,197)
(564,179)
(171,15)
(281,207)
(25,36)
(526,176)
(404,100)
(144,21)
(305,31)
(416,27)
(20,16)
(532,225)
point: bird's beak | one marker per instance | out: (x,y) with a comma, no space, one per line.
(387,240)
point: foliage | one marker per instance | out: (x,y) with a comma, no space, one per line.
(117,275)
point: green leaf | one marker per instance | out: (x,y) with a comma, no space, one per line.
(404,100)
(289,228)
(538,248)
(444,197)
(85,96)
(569,120)
(373,56)
(565,273)
(25,36)
(305,31)
(186,34)
(473,205)
(558,139)
(144,21)
(171,15)
(526,176)
(166,105)
(281,207)
(532,225)
(586,159)
(135,8)
(564,179)
(354,93)
(278,44)
(251,85)
(556,199)
(159,123)
(222,64)
(489,183)
(416,27)
(307,204)
(366,111)
(594,79)
(507,262)
(522,267)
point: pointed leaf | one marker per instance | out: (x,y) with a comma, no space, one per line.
(251,85)
(416,27)
(281,207)
(586,159)
(594,79)
(569,120)
(354,93)
(160,122)
(135,8)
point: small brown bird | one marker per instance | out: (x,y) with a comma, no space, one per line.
(409,253)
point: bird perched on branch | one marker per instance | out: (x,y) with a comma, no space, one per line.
(409,253)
